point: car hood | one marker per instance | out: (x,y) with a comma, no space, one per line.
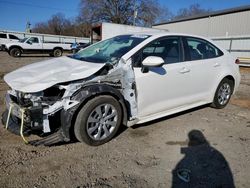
(42,75)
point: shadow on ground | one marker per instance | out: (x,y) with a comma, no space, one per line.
(202,165)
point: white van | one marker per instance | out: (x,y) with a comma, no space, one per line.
(7,38)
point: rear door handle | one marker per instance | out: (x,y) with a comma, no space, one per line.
(184,70)
(216,65)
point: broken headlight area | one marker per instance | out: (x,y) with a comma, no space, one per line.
(40,112)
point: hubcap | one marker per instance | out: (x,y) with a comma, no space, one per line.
(17,53)
(57,53)
(102,121)
(224,94)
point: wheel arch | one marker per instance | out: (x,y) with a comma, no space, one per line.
(215,103)
(228,76)
(15,46)
(58,47)
(84,95)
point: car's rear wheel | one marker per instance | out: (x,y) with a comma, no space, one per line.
(74,51)
(15,52)
(57,52)
(223,93)
(98,120)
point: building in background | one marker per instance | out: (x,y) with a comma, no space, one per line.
(230,28)
(229,22)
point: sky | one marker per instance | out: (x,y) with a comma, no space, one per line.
(14,14)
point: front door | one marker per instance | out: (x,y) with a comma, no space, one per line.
(161,88)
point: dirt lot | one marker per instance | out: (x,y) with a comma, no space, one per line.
(212,146)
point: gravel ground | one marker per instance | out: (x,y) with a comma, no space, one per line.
(211,146)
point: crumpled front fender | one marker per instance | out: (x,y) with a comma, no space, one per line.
(85,94)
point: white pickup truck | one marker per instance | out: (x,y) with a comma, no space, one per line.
(36,46)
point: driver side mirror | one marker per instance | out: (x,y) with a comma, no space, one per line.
(29,42)
(151,61)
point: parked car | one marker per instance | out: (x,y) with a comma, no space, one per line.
(34,45)
(7,38)
(75,47)
(126,80)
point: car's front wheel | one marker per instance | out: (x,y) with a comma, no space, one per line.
(15,52)
(223,93)
(98,120)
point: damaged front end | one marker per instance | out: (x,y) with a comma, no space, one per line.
(36,113)
(51,113)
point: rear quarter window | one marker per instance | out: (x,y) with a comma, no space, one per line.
(13,37)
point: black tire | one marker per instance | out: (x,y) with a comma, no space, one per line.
(57,52)
(83,126)
(51,55)
(220,99)
(74,51)
(15,52)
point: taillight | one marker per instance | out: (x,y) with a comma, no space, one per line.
(237,61)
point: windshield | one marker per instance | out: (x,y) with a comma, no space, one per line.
(110,50)
(23,40)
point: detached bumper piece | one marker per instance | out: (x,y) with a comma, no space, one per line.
(14,127)
(51,140)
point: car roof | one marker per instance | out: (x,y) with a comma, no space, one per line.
(166,33)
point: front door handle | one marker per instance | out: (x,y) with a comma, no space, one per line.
(184,70)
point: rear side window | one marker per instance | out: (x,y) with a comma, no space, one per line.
(3,36)
(198,49)
(167,48)
(13,37)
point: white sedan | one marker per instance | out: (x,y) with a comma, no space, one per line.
(128,79)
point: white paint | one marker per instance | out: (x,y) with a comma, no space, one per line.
(39,76)
(161,91)
(37,46)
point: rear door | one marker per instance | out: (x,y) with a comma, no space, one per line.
(204,63)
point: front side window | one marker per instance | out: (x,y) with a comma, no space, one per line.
(168,49)
(200,49)
(33,40)
(3,36)
(110,50)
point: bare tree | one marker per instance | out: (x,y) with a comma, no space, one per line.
(138,12)
(59,25)
(194,9)
(120,11)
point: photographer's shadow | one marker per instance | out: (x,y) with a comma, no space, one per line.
(202,166)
